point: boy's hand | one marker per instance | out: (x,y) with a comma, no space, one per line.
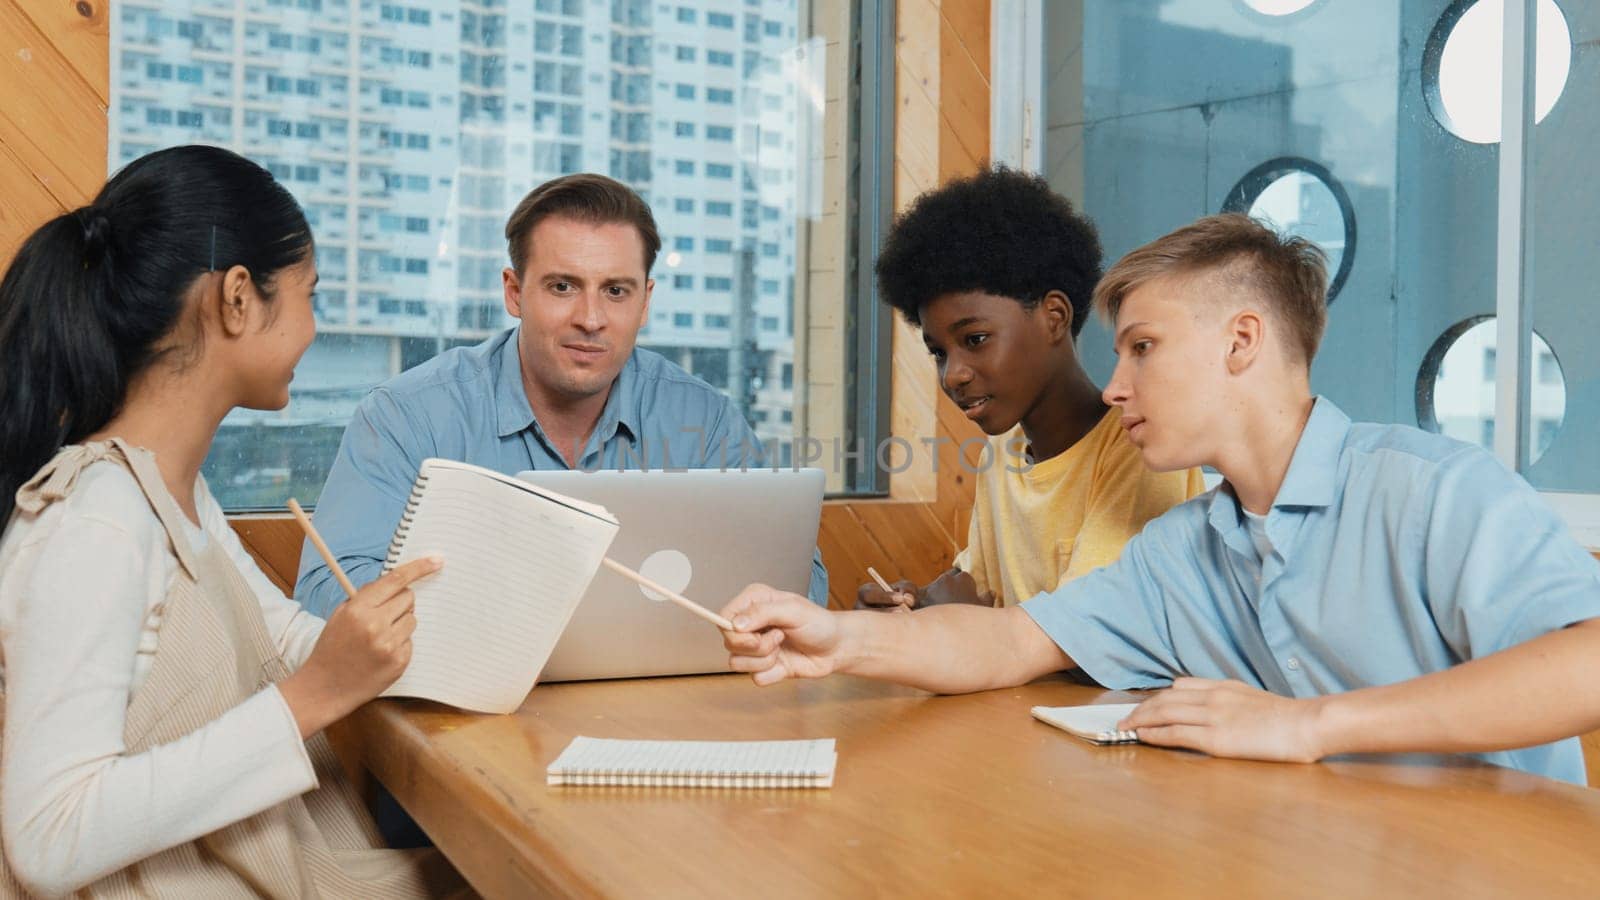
(906,596)
(954,586)
(1228,718)
(779,635)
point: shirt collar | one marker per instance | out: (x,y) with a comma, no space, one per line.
(1312,479)
(622,407)
(514,413)
(1313,474)
(510,396)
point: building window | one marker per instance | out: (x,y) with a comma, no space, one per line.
(409,238)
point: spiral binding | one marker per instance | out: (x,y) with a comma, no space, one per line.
(397,545)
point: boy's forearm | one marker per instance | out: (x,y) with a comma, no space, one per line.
(953,649)
(1543,690)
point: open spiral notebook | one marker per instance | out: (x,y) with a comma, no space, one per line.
(718,764)
(517,559)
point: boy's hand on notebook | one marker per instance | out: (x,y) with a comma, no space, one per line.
(1229,718)
(780,635)
(905,596)
(365,646)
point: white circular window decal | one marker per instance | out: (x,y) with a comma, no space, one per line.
(1461,67)
(1456,387)
(1301,198)
(1278,7)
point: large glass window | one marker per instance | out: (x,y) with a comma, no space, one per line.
(408,131)
(1339,119)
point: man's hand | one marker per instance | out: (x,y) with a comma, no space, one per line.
(905,596)
(955,586)
(780,635)
(1228,718)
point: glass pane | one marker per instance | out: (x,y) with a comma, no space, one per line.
(1564,258)
(409,131)
(1164,112)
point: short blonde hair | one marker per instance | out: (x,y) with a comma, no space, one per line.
(1288,274)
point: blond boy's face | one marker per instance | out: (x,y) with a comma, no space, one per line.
(1171,381)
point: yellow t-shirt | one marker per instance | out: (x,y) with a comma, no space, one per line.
(1068,515)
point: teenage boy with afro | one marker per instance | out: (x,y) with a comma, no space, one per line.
(998,270)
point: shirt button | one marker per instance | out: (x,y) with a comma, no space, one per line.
(1294,663)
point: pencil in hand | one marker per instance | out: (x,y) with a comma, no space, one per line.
(322,547)
(889,589)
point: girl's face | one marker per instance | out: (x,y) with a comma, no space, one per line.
(275,336)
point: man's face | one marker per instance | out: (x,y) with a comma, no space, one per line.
(1171,381)
(994,356)
(582,297)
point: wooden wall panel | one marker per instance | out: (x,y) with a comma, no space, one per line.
(53,64)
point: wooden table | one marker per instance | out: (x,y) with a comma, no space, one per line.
(957,796)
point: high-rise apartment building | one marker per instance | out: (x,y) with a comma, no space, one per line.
(408,131)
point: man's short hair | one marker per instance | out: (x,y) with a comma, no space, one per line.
(1002,232)
(586,197)
(1288,274)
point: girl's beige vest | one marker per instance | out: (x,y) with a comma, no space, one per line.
(214,652)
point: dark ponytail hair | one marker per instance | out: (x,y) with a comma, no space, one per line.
(93,292)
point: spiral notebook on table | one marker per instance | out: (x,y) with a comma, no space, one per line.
(716,764)
(1095,724)
(517,559)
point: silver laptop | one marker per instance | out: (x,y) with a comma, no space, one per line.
(705,532)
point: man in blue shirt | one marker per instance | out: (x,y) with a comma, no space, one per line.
(1348,588)
(567,388)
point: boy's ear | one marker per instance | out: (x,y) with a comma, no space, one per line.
(1246,333)
(1057,311)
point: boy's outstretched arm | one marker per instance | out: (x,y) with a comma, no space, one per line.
(946,649)
(1540,691)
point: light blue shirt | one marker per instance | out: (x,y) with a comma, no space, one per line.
(1393,553)
(469,404)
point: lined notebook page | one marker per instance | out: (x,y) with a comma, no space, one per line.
(516,562)
(741,764)
(1096,724)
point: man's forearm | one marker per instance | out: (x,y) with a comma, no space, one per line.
(952,649)
(1540,691)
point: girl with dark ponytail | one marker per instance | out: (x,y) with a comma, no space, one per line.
(161,702)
